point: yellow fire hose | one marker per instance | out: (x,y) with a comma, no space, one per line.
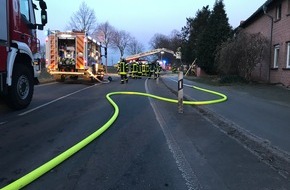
(38,172)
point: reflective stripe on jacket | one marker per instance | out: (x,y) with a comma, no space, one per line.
(123,68)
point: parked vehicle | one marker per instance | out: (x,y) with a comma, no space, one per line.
(73,54)
(19,47)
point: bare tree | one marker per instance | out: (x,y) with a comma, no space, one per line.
(159,41)
(135,47)
(84,19)
(175,39)
(121,40)
(172,42)
(104,33)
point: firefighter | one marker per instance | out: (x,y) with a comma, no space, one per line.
(139,69)
(152,67)
(130,69)
(134,68)
(158,69)
(174,68)
(143,69)
(147,69)
(123,69)
(92,62)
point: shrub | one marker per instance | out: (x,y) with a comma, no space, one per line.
(240,55)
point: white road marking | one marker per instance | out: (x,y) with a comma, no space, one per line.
(45,84)
(60,98)
(4,122)
(187,172)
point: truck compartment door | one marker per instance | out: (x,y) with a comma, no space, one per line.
(51,53)
(81,54)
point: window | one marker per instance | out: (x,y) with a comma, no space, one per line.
(288,55)
(288,10)
(278,11)
(24,9)
(3,23)
(276,56)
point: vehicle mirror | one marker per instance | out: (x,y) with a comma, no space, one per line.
(42,5)
(43,17)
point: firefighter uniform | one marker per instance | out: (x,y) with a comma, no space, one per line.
(158,69)
(134,68)
(123,69)
(140,70)
(147,69)
(143,69)
(152,67)
(130,70)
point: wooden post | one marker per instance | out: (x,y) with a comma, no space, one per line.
(190,67)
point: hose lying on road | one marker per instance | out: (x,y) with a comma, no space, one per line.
(33,175)
(97,79)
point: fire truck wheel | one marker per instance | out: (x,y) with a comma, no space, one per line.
(62,78)
(74,77)
(21,91)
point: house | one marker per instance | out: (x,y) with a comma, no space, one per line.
(272,19)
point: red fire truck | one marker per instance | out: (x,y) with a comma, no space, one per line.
(19,46)
(73,54)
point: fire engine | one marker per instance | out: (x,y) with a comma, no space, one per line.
(19,66)
(73,54)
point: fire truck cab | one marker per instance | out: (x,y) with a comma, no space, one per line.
(19,67)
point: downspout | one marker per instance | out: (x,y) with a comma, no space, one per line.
(271,41)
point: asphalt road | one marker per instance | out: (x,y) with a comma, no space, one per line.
(255,115)
(150,146)
(264,115)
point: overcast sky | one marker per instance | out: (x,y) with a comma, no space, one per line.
(144,18)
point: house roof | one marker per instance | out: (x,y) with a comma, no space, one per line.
(259,12)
